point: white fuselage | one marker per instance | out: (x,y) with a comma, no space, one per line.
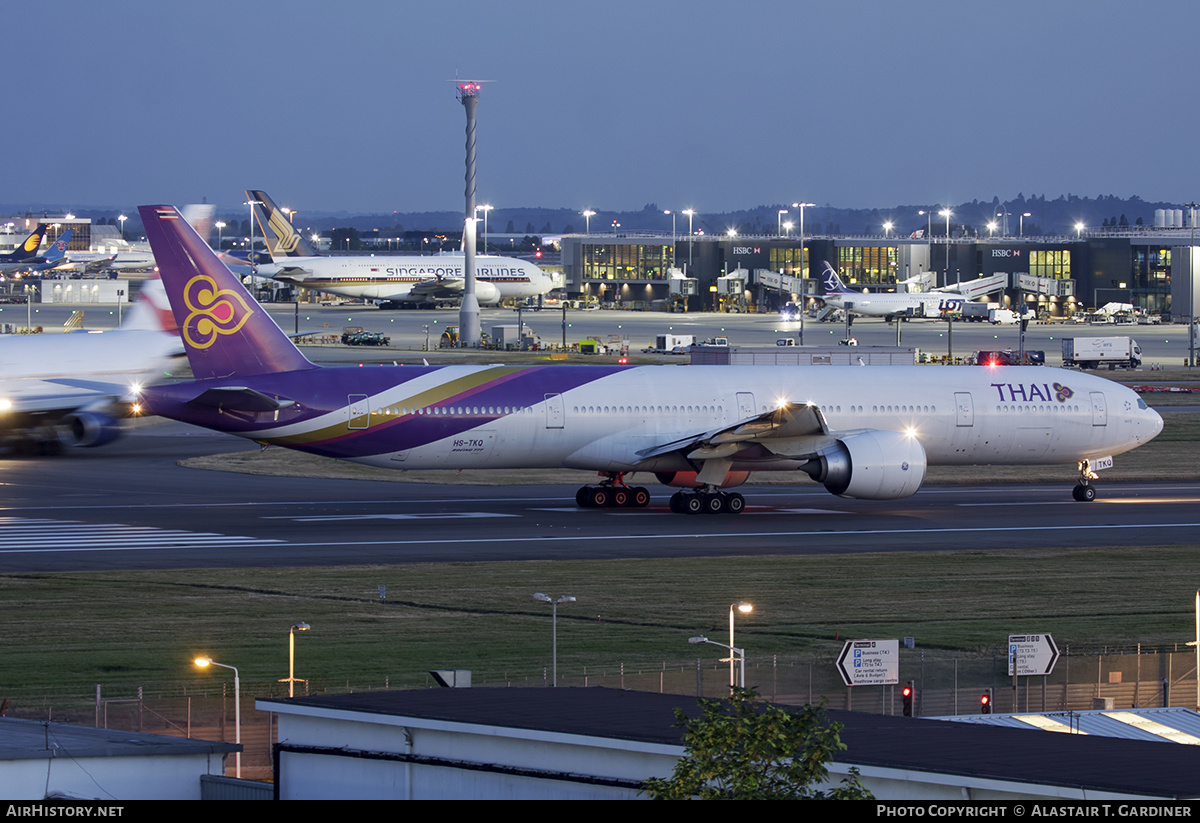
(44,372)
(400,278)
(879,304)
(960,415)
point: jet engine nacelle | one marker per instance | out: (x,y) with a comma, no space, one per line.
(486,293)
(874,465)
(687,480)
(88,429)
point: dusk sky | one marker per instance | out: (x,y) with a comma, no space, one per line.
(609,105)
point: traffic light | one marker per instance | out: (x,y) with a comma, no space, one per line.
(907,694)
(985,702)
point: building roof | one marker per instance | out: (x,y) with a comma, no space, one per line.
(36,739)
(1174,725)
(1095,764)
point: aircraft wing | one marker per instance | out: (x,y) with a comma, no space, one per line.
(793,430)
(434,288)
(285,273)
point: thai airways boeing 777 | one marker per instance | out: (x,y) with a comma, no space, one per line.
(864,432)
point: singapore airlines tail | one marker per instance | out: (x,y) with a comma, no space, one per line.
(225,332)
(282,238)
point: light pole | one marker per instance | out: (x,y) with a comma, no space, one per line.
(251,258)
(779,222)
(485,210)
(742,608)
(220,226)
(588,214)
(30,292)
(803,270)
(291,678)
(122,218)
(946,213)
(205,662)
(545,598)
(1191,308)
(1022,224)
(1079,227)
(668,211)
(734,654)
(690,214)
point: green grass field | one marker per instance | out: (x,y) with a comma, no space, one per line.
(66,632)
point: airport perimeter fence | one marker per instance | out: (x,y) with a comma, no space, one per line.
(945,684)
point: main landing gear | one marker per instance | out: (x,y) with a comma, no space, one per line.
(612,493)
(1084,491)
(707,501)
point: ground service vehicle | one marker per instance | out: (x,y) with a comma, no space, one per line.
(1101,352)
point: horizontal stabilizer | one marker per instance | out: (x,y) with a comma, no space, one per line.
(239,398)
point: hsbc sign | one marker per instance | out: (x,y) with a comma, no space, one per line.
(747,250)
(1006,252)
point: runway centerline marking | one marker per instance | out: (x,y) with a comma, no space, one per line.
(320,518)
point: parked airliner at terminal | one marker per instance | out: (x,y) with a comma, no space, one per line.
(861,431)
(389,280)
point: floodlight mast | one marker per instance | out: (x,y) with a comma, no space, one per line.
(469,323)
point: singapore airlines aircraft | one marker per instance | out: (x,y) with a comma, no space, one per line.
(409,279)
(887,304)
(73,388)
(862,431)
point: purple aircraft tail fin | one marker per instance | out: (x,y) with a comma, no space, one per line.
(225,331)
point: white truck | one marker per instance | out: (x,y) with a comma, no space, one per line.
(1101,352)
(672,343)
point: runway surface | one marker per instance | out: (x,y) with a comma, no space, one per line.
(130,506)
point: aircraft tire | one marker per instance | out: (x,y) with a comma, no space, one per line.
(735,503)
(599,497)
(583,498)
(693,503)
(677,503)
(714,503)
(640,498)
(619,499)
(1084,493)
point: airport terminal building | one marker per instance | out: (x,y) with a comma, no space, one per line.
(760,273)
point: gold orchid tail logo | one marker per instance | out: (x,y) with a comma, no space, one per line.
(212,312)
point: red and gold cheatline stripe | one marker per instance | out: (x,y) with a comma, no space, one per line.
(432,397)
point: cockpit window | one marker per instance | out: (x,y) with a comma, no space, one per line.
(1142,404)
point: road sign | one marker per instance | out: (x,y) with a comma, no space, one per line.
(870,662)
(1031,654)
